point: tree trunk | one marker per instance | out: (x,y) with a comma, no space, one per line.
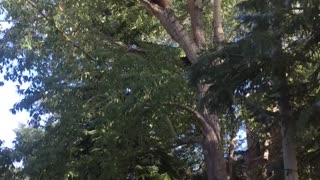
(191,44)
(213,150)
(232,148)
(276,160)
(289,151)
(287,132)
(288,144)
(255,157)
(287,123)
(213,153)
(218,34)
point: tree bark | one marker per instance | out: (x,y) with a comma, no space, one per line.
(287,124)
(275,162)
(213,150)
(175,29)
(191,44)
(215,162)
(216,167)
(287,132)
(232,148)
(218,34)
(254,157)
(195,11)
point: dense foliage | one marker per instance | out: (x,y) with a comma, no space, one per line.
(111,96)
(275,56)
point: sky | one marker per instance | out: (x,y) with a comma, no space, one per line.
(8,97)
(9,121)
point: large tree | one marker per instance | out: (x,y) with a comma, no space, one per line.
(110,98)
(272,67)
(71,39)
(192,43)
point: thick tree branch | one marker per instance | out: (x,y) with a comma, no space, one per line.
(218,34)
(175,29)
(195,11)
(211,118)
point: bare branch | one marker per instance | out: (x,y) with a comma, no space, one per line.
(174,28)
(195,11)
(218,33)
